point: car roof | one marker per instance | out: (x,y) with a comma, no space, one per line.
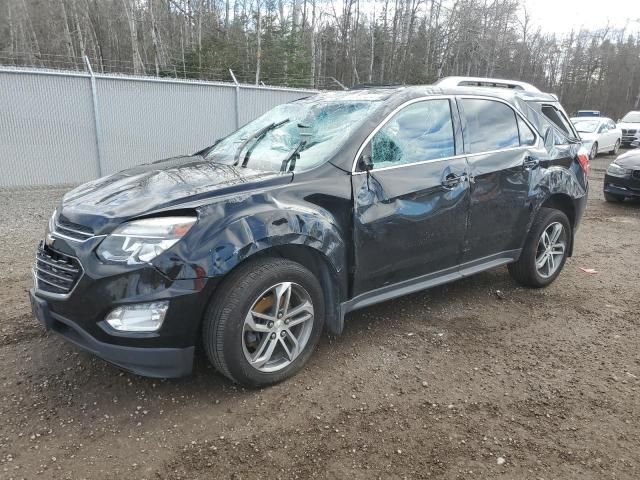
(409,92)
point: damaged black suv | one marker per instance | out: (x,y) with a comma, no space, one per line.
(319,207)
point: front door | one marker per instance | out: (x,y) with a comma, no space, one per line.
(410,209)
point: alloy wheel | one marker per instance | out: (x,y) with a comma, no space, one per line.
(551,250)
(616,147)
(277,327)
(594,151)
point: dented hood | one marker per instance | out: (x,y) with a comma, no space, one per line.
(165,184)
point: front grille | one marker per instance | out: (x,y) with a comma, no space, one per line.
(626,131)
(72,230)
(55,272)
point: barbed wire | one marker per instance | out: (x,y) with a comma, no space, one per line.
(174,70)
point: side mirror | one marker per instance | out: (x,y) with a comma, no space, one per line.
(548,138)
(365,163)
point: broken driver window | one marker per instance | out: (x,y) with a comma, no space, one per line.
(419,132)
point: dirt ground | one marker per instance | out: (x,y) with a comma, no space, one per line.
(477,379)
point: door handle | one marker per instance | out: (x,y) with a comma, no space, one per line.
(530,162)
(451,180)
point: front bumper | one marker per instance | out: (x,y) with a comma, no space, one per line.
(147,361)
(628,187)
(78,313)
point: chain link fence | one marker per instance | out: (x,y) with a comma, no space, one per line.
(62,127)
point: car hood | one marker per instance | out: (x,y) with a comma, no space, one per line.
(630,159)
(167,184)
(626,125)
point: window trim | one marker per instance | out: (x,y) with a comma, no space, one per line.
(386,119)
(532,130)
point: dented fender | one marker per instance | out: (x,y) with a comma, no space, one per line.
(233,231)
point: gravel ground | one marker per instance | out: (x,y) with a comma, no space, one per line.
(477,379)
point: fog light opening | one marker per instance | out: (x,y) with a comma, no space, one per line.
(141,317)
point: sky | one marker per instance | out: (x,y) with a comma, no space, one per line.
(559,16)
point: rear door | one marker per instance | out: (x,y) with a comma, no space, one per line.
(502,150)
(410,209)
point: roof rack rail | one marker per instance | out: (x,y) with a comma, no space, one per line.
(363,86)
(485,82)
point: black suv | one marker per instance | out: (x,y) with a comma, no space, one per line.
(319,207)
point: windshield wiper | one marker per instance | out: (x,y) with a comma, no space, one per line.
(293,156)
(257,136)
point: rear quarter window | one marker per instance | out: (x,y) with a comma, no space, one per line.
(558,118)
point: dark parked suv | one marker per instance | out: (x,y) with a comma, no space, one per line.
(319,207)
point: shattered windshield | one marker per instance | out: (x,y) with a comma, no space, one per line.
(298,135)
(586,126)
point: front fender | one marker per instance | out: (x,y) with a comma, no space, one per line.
(231,231)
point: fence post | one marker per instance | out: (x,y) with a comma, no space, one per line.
(237,98)
(96,115)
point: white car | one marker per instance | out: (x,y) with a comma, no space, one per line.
(598,135)
(630,126)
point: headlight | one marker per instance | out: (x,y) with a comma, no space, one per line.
(141,241)
(617,171)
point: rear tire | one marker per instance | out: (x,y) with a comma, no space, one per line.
(549,235)
(264,321)
(610,197)
(616,147)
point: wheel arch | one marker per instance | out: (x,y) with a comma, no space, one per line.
(565,204)
(332,280)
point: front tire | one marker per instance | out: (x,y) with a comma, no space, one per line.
(264,321)
(616,147)
(594,150)
(545,250)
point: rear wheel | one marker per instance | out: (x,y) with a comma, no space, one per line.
(545,250)
(264,322)
(609,197)
(616,147)
(594,151)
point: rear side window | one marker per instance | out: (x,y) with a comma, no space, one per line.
(419,132)
(490,125)
(527,137)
